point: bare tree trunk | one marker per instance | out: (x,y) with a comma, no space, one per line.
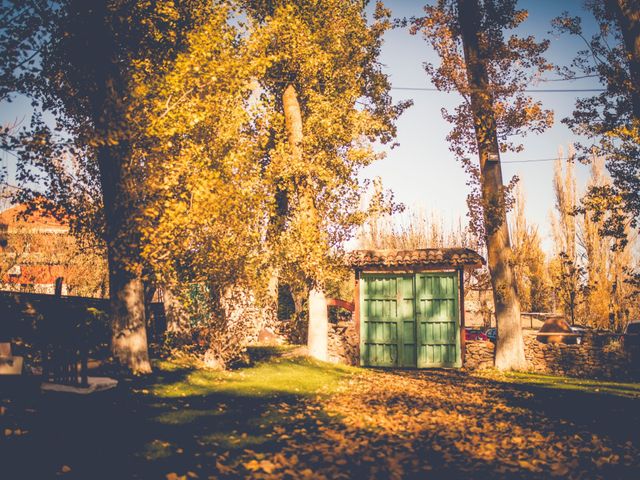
(129,341)
(510,344)
(318,328)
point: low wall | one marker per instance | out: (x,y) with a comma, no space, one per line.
(343,343)
(598,356)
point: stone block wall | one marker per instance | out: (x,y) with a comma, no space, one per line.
(599,356)
(343,343)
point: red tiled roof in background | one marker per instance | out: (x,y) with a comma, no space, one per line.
(38,220)
(424,257)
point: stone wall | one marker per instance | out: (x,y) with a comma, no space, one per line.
(599,356)
(343,343)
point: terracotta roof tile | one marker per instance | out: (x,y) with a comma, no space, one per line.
(424,257)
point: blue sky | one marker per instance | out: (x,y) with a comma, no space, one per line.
(421,171)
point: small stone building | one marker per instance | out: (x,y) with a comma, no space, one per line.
(409,306)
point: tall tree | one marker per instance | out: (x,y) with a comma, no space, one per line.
(207,196)
(85,82)
(330,102)
(529,259)
(491,72)
(611,118)
(609,301)
(569,273)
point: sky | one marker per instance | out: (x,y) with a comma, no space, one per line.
(422,172)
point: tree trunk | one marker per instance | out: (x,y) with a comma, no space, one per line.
(105,68)
(627,15)
(129,341)
(510,344)
(318,336)
(126,288)
(318,327)
(173,312)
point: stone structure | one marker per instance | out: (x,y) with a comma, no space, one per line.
(598,356)
(343,343)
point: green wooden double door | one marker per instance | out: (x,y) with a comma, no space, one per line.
(410,320)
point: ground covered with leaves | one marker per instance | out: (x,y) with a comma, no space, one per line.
(290,417)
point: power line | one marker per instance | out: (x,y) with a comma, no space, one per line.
(570,79)
(533,90)
(533,160)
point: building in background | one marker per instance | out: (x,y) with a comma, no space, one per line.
(36,250)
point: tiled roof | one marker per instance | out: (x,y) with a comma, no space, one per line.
(37,220)
(424,257)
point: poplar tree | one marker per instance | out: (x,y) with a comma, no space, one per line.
(329,101)
(490,69)
(529,259)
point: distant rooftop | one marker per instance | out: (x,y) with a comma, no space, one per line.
(14,217)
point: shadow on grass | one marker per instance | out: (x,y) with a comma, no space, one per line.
(188,421)
(179,419)
(604,407)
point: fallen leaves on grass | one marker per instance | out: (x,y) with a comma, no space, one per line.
(394,425)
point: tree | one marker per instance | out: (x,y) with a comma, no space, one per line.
(329,102)
(85,81)
(207,199)
(23,26)
(597,255)
(529,260)
(609,301)
(611,118)
(568,271)
(490,72)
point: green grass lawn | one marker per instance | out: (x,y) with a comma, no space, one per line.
(272,376)
(591,386)
(179,419)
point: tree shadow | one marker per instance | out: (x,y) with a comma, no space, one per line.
(182,420)
(171,421)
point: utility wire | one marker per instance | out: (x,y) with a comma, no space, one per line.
(533,90)
(533,160)
(570,79)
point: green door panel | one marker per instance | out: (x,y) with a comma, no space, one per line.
(406,318)
(379,344)
(438,320)
(409,320)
